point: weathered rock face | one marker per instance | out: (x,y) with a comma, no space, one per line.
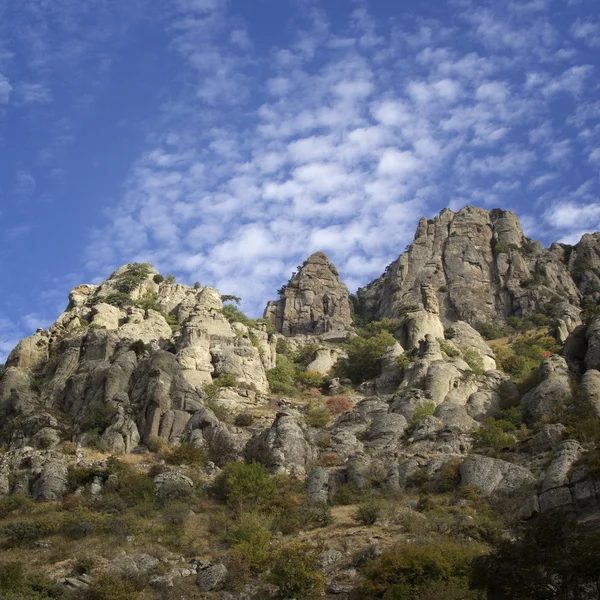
(314,301)
(553,389)
(492,475)
(283,447)
(482,269)
(125,367)
(41,475)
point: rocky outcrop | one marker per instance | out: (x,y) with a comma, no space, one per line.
(553,390)
(314,301)
(283,447)
(41,475)
(492,475)
(125,366)
(482,269)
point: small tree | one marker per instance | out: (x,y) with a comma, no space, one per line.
(294,572)
(241,484)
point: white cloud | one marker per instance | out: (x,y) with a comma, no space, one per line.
(5,89)
(33,93)
(24,183)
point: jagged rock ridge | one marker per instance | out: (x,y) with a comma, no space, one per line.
(482,268)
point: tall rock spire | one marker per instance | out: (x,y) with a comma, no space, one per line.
(314,301)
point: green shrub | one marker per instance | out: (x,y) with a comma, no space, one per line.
(408,572)
(118,299)
(133,277)
(234,315)
(111,587)
(364,356)
(187,454)
(294,571)
(501,248)
(554,557)
(310,379)
(305,355)
(474,360)
(241,484)
(495,434)
(250,538)
(175,492)
(490,331)
(449,349)
(131,486)
(244,420)
(24,533)
(344,496)
(15,504)
(158,278)
(317,415)
(83,565)
(314,516)
(171,279)
(368,512)
(283,376)
(99,417)
(427,409)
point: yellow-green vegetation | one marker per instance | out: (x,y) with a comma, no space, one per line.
(578,416)
(474,360)
(365,352)
(294,572)
(290,375)
(496,435)
(437,571)
(427,409)
(521,357)
(317,415)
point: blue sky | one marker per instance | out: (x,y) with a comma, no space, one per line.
(224,141)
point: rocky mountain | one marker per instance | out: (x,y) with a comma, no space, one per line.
(483,269)
(230,442)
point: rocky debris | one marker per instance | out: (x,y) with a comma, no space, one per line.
(39,474)
(211,577)
(553,390)
(481,268)
(314,301)
(284,446)
(492,475)
(136,566)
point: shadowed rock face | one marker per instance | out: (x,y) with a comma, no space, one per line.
(482,268)
(315,300)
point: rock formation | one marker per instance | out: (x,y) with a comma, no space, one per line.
(314,301)
(482,269)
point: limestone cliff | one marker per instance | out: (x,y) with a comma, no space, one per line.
(127,361)
(314,301)
(482,268)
